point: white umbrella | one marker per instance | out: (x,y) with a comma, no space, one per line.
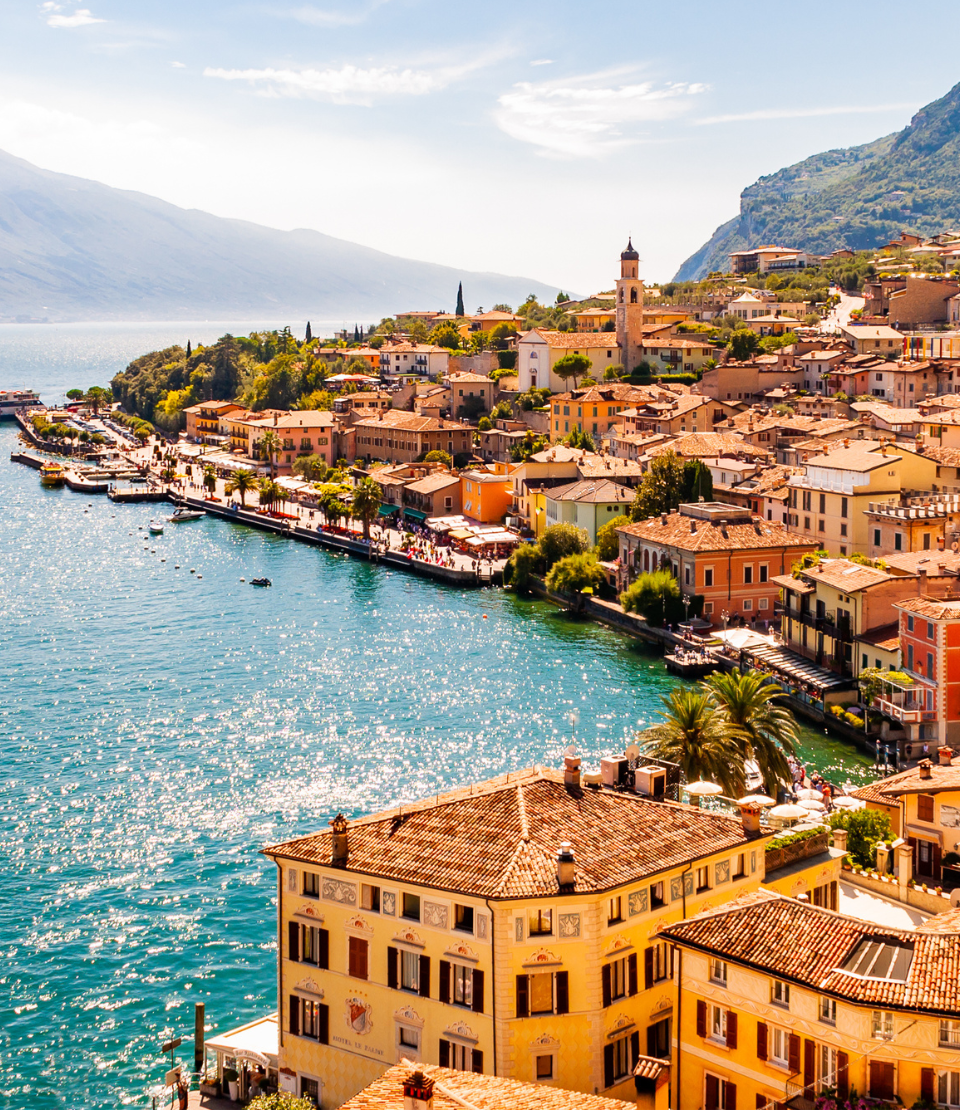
(846,802)
(809,794)
(788,812)
(756,800)
(813,804)
(703,788)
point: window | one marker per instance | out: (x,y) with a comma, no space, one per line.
(763,603)
(828,1010)
(462,983)
(616,1062)
(718,971)
(843,506)
(357,952)
(703,879)
(615,910)
(463,918)
(411,906)
(747,575)
(949,1033)
(660,961)
(882,1025)
(876,537)
(619,978)
(948,1088)
(409,1038)
(540,922)
(909,623)
(882,1082)
(460,1057)
(764,571)
(314,944)
(541,994)
(370,897)
(748,605)
(924,807)
(708,576)
(545,1067)
(780,993)
(739,865)
(898,541)
(311,883)
(779,1041)
(717,1029)
(409,970)
(827,1063)
(658,1038)
(656,896)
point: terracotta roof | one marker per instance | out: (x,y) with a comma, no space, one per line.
(909,782)
(499,839)
(467,376)
(860,459)
(807,945)
(788,582)
(944,456)
(707,445)
(886,638)
(454,1090)
(944,923)
(688,533)
(408,422)
(593,491)
(846,575)
(769,480)
(434,482)
(304,419)
(575,340)
(933,608)
(616,391)
(608,466)
(933,562)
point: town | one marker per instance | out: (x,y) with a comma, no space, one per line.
(759,472)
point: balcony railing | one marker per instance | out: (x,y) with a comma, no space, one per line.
(907,710)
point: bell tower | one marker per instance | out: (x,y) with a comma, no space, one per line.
(630,309)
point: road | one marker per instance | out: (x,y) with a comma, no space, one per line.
(840,315)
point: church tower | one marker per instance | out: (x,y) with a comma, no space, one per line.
(630,309)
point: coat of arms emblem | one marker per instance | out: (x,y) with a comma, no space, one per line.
(358,1015)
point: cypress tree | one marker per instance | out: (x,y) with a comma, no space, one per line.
(189,349)
(309,334)
(460,311)
(356,334)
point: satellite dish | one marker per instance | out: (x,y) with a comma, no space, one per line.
(570,749)
(955,897)
(633,751)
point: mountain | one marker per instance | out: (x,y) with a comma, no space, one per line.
(859,197)
(72,249)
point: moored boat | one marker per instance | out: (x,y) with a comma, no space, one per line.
(183,514)
(156,528)
(52,474)
(260,582)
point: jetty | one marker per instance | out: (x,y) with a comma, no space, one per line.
(26,459)
(81,484)
(132,496)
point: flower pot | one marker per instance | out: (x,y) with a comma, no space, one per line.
(233,1088)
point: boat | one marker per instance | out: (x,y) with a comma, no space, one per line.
(183,514)
(156,528)
(13,401)
(260,582)
(52,474)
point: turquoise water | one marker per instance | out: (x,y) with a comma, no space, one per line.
(157,727)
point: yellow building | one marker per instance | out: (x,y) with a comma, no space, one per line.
(781,1001)
(829,499)
(593,410)
(511,927)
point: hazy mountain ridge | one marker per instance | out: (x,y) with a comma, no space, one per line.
(73,249)
(855,197)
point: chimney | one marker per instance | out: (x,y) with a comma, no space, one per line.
(946,756)
(925,767)
(750,818)
(571,770)
(417,1092)
(840,839)
(663,519)
(338,856)
(566,867)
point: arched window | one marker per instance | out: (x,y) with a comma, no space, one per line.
(533,379)
(621,296)
(633,296)
(646,559)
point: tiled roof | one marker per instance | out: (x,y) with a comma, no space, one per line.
(593,491)
(408,422)
(304,419)
(944,456)
(608,466)
(500,839)
(625,394)
(691,534)
(807,945)
(770,479)
(860,459)
(933,562)
(846,575)
(707,445)
(933,608)
(575,340)
(910,782)
(434,482)
(788,582)
(454,1090)
(886,638)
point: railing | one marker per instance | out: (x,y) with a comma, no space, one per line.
(910,711)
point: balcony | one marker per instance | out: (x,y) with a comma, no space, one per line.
(906,703)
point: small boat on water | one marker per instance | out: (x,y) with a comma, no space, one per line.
(183,514)
(156,528)
(260,582)
(52,474)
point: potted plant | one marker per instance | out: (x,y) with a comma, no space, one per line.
(232,1079)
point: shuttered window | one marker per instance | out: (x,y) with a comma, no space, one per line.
(358,951)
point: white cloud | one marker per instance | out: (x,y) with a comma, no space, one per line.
(325,17)
(347,85)
(82,17)
(803,113)
(179,65)
(584,117)
(542,62)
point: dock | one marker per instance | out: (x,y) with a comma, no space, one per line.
(691,665)
(133,496)
(79,484)
(26,459)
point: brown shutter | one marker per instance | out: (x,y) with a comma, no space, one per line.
(478,1061)
(935,859)
(444,1053)
(444,980)
(323,949)
(294,1014)
(809,1062)
(731,1029)
(712,1097)
(730,1096)
(393,960)
(843,1075)
(477,991)
(424,976)
(563,992)
(761,1040)
(794,1058)
(323,1023)
(605,981)
(648,969)
(632,973)
(293,938)
(634,1048)
(608,1065)
(701,1018)
(523,996)
(927,1076)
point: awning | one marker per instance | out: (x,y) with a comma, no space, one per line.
(414,514)
(256,1041)
(388,510)
(795,667)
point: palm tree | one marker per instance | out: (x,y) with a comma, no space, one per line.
(696,735)
(269,491)
(242,482)
(210,480)
(767,730)
(268,447)
(366,504)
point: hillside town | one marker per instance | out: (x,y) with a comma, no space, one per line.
(782,502)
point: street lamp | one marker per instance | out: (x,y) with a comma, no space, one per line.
(725,616)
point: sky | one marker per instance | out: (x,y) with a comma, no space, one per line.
(525,137)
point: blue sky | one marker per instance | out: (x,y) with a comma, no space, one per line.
(523,137)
